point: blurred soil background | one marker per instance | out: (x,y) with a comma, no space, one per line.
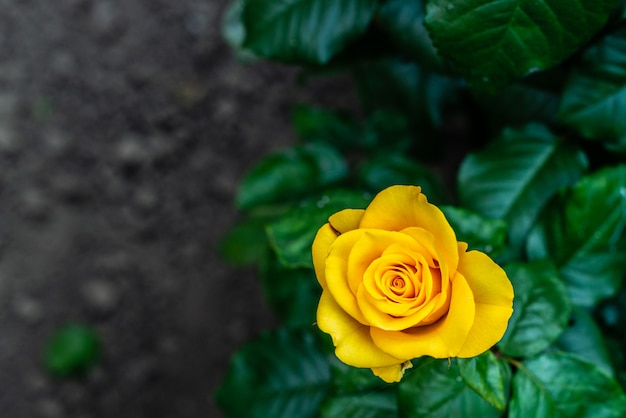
(124,129)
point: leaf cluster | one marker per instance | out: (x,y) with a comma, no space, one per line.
(524,103)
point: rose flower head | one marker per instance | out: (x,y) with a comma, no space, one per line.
(397,285)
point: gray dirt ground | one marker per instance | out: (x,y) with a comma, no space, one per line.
(124,128)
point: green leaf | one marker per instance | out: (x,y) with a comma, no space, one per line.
(541,309)
(371,405)
(283,374)
(72,350)
(483,234)
(594,100)
(515,176)
(283,176)
(564,386)
(583,233)
(291,293)
(584,338)
(304,31)
(488,376)
(435,389)
(403,21)
(245,243)
(380,172)
(495,42)
(291,236)
(318,124)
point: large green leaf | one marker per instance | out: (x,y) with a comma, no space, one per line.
(594,101)
(493,42)
(291,293)
(515,176)
(434,388)
(583,233)
(564,386)
(584,338)
(304,31)
(381,404)
(283,176)
(488,376)
(486,235)
(292,234)
(283,374)
(541,309)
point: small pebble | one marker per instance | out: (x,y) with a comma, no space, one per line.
(50,408)
(101,295)
(28,309)
(34,204)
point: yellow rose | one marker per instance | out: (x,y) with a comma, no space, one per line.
(397,285)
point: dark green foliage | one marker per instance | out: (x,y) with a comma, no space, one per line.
(283,374)
(551,385)
(435,389)
(516,175)
(527,98)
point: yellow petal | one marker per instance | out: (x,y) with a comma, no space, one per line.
(443,339)
(493,295)
(392,373)
(400,207)
(346,220)
(353,344)
(380,319)
(369,247)
(337,276)
(321,244)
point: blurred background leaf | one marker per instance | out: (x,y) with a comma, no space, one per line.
(594,100)
(304,31)
(291,293)
(541,309)
(584,338)
(288,174)
(582,232)
(72,350)
(380,172)
(480,233)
